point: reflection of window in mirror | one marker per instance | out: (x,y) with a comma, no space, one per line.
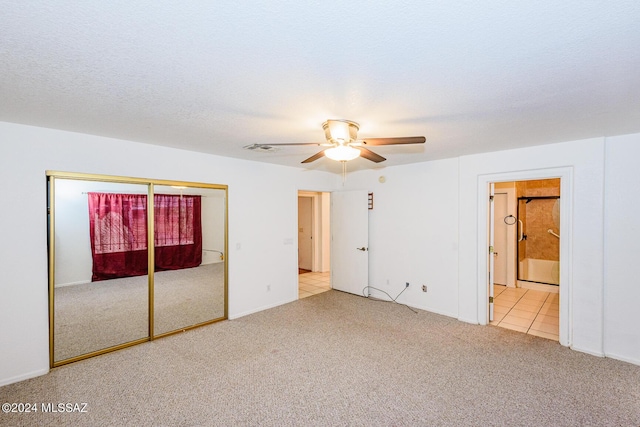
(193,291)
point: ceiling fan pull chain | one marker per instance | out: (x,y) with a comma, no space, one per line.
(344,172)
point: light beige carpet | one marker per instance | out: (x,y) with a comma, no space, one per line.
(97,315)
(337,359)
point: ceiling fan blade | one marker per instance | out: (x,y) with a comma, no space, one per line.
(370,155)
(314,157)
(393,141)
(292,143)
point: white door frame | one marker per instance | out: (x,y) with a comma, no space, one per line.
(566,214)
(491,260)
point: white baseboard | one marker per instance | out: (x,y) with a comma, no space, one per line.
(374,293)
(380,295)
(215,261)
(465,320)
(432,310)
(16,379)
(591,352)
(631,360)
(79,282)
(264,307)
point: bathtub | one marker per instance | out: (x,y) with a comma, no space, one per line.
(540,270)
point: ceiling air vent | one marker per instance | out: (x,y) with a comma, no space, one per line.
(261,148)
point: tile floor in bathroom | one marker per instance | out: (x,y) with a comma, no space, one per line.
(525,310)
(313,284)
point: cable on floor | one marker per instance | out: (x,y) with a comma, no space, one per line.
(391,299)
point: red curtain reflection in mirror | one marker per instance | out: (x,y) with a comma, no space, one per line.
(177,231)
(118,233)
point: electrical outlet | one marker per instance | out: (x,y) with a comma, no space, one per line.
(424,288)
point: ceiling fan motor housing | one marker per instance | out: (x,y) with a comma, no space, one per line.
(340,131)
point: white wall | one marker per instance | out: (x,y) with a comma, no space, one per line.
(262,220)
(413,232)
(425,228)
(622,248)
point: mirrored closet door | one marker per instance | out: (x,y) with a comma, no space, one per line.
(131,260)
(189,256)
(100,282)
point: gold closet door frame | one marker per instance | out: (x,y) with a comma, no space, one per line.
(150,183)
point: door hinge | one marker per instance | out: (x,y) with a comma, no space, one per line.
(490,300)
(490,249)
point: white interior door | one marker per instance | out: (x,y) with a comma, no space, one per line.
(350,241)
(305,235)
(491,242)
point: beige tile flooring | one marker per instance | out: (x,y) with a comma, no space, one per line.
(313,284)
(526,310)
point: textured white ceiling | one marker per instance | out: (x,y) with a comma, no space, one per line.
(214,76)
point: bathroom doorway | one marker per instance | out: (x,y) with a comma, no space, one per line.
(526,256)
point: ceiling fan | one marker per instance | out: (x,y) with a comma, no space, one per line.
(343,143)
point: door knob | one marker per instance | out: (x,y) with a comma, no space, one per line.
(362,249)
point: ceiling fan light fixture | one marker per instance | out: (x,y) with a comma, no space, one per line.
(342,137)
(342,153)
(341,131)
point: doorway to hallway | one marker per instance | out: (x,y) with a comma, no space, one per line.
(314,243)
